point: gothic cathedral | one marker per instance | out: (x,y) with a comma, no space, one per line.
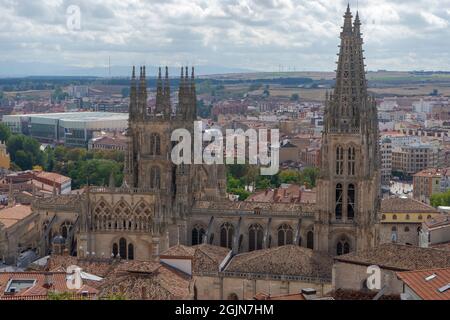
(161,204)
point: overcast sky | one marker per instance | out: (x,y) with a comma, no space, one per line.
(250,34)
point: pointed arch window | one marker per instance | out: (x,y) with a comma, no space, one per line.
(343,247)
(123,248)
(351,201)
(285,235)
(351,161)
(155,145)
(155,178)
(255,237)
(226,235)
(66,228)
(130,252)
(339,201)
(310,240)
(198,233)
(339,161)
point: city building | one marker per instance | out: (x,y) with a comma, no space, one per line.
(350,271)
(116,142)
(410,159)
(435,232)
(402,218)
(40,286)
(37,182)
(430,181)
(20,221)
(71,129)
(386,162)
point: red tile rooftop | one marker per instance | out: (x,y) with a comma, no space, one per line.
(426,283)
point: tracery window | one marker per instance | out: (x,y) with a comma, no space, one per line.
(351,161)
(285,235)
(226,235)
(339,161)
(155,145)
(351,201)
(198,232)
(65,229)
(343,247)
(255,237)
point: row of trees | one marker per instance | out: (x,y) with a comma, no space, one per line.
(241,176)
(81,165)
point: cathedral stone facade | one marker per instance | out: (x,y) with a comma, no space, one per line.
(161,204)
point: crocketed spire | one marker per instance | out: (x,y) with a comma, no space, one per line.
(167,105)
(348,108)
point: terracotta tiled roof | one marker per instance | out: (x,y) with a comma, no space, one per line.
(399,257)
(405,205)
(205,257)
(40,288)
(100,268)
(286,260)
(162,283)
(179,251)
(208,258)
(427,290)
(10,216)
(133,279)
(433,172)
(52,176)
(438,221)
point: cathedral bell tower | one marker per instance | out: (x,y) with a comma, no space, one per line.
(348,190)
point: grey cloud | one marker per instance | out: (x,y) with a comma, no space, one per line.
(251,34)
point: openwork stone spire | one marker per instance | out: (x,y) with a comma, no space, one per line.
(167,105)
(142,98)
(159,93)
(133,95)
(349,107)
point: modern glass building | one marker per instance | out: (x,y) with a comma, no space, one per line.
(73,129)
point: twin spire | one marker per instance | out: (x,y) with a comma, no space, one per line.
(187,95)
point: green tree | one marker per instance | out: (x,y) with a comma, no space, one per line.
(440,199)
(5,132)
(242,193)
(289,176)
(295,97)
(96,172)
(263,183)
(23,160)
(309,177)
(14,144)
